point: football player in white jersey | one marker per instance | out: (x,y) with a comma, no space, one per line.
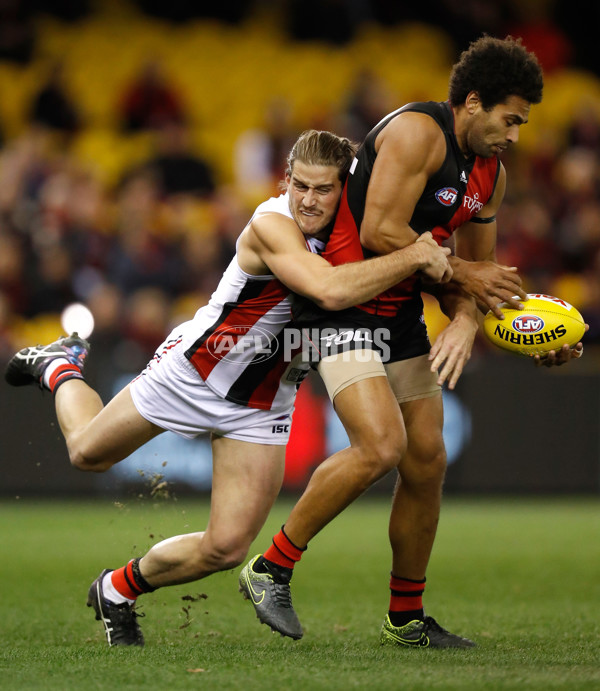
(248,420)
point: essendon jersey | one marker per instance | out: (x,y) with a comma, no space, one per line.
(452,196)
(236,341)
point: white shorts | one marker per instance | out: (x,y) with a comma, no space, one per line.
(171,394)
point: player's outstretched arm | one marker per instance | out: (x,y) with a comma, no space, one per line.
(275,241)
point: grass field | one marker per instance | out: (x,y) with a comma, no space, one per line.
(521,577)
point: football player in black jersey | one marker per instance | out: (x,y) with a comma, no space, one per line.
(426,167)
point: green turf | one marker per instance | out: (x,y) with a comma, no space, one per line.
(521,577)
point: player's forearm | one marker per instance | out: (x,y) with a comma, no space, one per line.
(459,270)
(463,282)
(456,303)
(352,284)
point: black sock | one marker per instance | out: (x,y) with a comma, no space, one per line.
(281,574)
(402,618)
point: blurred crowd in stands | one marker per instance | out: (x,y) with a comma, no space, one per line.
(145,252)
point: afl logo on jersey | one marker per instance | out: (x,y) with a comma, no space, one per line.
(447,196)
(242,345)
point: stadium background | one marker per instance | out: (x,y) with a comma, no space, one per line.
(132,206)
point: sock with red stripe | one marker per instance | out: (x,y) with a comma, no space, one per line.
(280,558)
(283,551)
(125,584)
(58,371)
(406,600)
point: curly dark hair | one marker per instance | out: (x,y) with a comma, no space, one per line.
(496,69)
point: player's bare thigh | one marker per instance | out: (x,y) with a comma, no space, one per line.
(114,433)
(357,383)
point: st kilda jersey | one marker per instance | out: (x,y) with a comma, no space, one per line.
(236,342)
(452,196)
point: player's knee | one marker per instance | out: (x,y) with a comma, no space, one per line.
(425,466)
(226,553)
(79,460)
(390,446)
(383,451)
(84,459)
(435,463)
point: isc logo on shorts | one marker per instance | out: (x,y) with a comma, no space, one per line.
(282,425)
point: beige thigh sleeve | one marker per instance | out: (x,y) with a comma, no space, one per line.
(341,370)
(412,379)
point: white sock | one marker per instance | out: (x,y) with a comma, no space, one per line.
(52,365)
(111,593)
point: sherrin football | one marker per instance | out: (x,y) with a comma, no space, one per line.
(546,324)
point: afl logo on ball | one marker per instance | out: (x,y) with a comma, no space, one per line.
(528,324)
(447,196)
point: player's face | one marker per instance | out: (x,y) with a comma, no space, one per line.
(314,192)
(493,131)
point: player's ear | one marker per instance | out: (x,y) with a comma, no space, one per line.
(472,102)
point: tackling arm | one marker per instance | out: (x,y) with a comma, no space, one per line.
(275,241)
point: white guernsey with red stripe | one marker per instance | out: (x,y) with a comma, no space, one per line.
(236,343)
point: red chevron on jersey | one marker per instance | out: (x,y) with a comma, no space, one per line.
(480,188)
(472,181)
(235,342)
(344,245)
(238,353)
(235,322)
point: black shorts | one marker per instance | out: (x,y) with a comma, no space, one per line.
(408,332)
(400,337)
